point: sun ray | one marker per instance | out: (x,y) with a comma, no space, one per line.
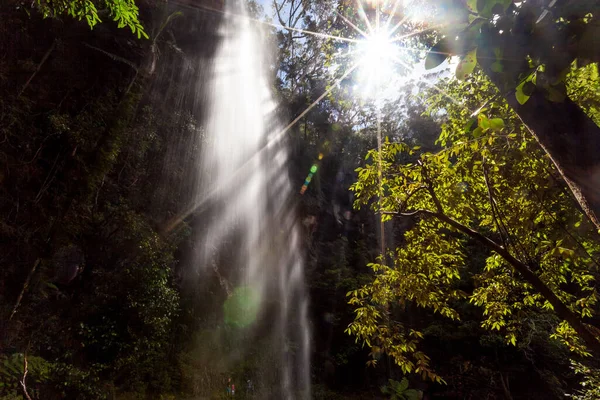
(415,33)
(317,34)
(317,101)
(274,25)
(363,33)
(390,19)
(431,84)
(377,17)
(348,54)
(363,15)
(398,25)
(176,221)
(380,179)
(415,49)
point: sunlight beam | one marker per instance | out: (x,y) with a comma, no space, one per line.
(363,15)
(173,223)
(274,25)
(433,85)
(398,25)
(317,34)
(317,101)
(363,33)
(392,14)
(415,33)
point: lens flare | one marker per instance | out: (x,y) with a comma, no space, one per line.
(242,307)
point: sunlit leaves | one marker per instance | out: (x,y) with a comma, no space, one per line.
(583,86)
(492,177)
(521,93)
(565,333)
(472,5)
(466,65)
(124,12)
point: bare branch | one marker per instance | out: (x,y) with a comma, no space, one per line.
(24,289)
(38,68)
(436,201)
(22,381)
(493,205)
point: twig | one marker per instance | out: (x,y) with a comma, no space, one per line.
(493,206)
(39,67)
(436,200)
(22,382)
(499,218)
(113,56)
(25,285)
(49,178)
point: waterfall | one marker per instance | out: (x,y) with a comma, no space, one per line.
(250,236)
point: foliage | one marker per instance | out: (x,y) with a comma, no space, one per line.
(583,85)
(489,184)
(400,391)
(590,384)
(527,49)
(124,12)
(11,374)
(487,24)
(83,154)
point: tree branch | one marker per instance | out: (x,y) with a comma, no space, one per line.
(561,309)
(493,206)
(22,382)
(39,67)
(24,289)
(436,201)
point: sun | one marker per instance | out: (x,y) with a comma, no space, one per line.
(376,56)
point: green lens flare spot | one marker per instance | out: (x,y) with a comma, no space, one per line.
(241,308)
(314,169)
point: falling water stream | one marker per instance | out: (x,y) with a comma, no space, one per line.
(243,175)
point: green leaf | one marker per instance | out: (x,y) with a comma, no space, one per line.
(403,385)
(528,88)
(438,54)
(411,394)
(496,124)
(483,121)
(466,65)
(472,5)
(521,96)
(471,124)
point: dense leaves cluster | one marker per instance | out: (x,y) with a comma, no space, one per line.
(490,185)
(124,12)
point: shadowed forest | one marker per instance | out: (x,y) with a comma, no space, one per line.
(299,199)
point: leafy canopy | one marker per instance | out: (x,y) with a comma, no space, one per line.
(490,184)
(124,12)
(524,46)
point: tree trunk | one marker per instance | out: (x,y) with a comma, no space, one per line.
(569,137)
(572,140)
